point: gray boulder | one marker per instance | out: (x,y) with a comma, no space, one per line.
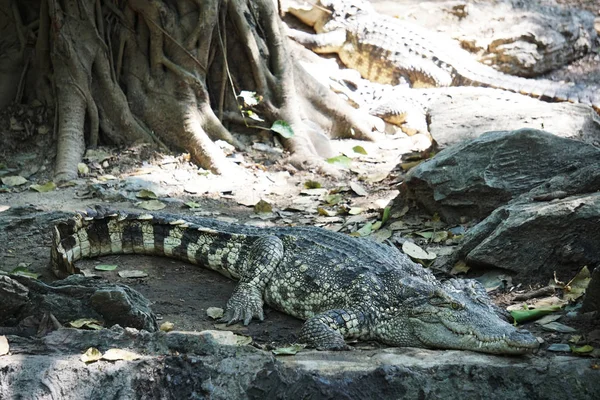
(472,179)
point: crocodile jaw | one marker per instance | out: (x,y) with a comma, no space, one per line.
(507,340)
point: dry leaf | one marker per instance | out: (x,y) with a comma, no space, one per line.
(4,347)
(92,354)
(120,354)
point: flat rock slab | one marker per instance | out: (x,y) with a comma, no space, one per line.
(457,114)
(215,368)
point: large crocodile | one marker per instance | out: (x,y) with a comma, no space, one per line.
(344,287)
(391,51)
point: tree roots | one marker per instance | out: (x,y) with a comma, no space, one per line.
(125,71)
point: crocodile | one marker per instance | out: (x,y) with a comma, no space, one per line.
(344,287)
(392,51)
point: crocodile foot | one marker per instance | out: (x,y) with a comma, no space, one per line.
(245,303)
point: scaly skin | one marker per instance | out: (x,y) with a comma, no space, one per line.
(344,287)
(390,51)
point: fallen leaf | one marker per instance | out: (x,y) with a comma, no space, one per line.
(283,128)
(325,212)
(582,349)
(152,205)
(132,273)
(358,189)
(381,235)
(386,214)
(340,161)
(23,271)
(14,180)
(460,268)
(92,354)
(355,210)
(333,199)
(215,312)
(558,327)
(46,187)
(4,347)
(312,185)
(83,169)
(192,204)
(250,98)
(416,252)
(577,286)
(105,267)
(359,150)
(364,231)
(263,207)
(546,319)
(535,313)
(288,351)
(242,340)
(120,354)
(146,194)
(167,326)
(83,323)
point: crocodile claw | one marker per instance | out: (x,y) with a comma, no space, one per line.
(245,304)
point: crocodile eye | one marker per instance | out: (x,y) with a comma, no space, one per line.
(455,305)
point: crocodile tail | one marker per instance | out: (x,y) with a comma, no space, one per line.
(481,75)
(99,232)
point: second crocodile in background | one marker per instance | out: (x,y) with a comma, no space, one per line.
(344,287)
(391,51)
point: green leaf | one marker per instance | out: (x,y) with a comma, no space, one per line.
(386,214)
(340,161)
(152,205)
(333,199)
(46,187)
(312,185)
(364,231)
(355,211)
(359,150)
(14,180)
(24,272)
(288,351)
(283,128)
(263,207)
(146,194)
(192,204)
(528,315)
(92,354)
(105,267)
(582,349)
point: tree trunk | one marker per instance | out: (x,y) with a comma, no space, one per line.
(170,72)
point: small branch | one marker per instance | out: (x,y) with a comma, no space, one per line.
(545,291)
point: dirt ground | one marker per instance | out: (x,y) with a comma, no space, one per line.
(354,196)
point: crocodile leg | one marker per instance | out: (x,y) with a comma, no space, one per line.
(327,331)
(246,302)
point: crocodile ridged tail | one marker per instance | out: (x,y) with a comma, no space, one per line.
(100,232)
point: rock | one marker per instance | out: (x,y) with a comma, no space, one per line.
(14,297)
(472,179)
(80,297)
(564,230)
(516,37)
(208,365)
(457,114)
(591,302)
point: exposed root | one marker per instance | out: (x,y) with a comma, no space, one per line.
(176,68)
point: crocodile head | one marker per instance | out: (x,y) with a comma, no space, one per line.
(458,314)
